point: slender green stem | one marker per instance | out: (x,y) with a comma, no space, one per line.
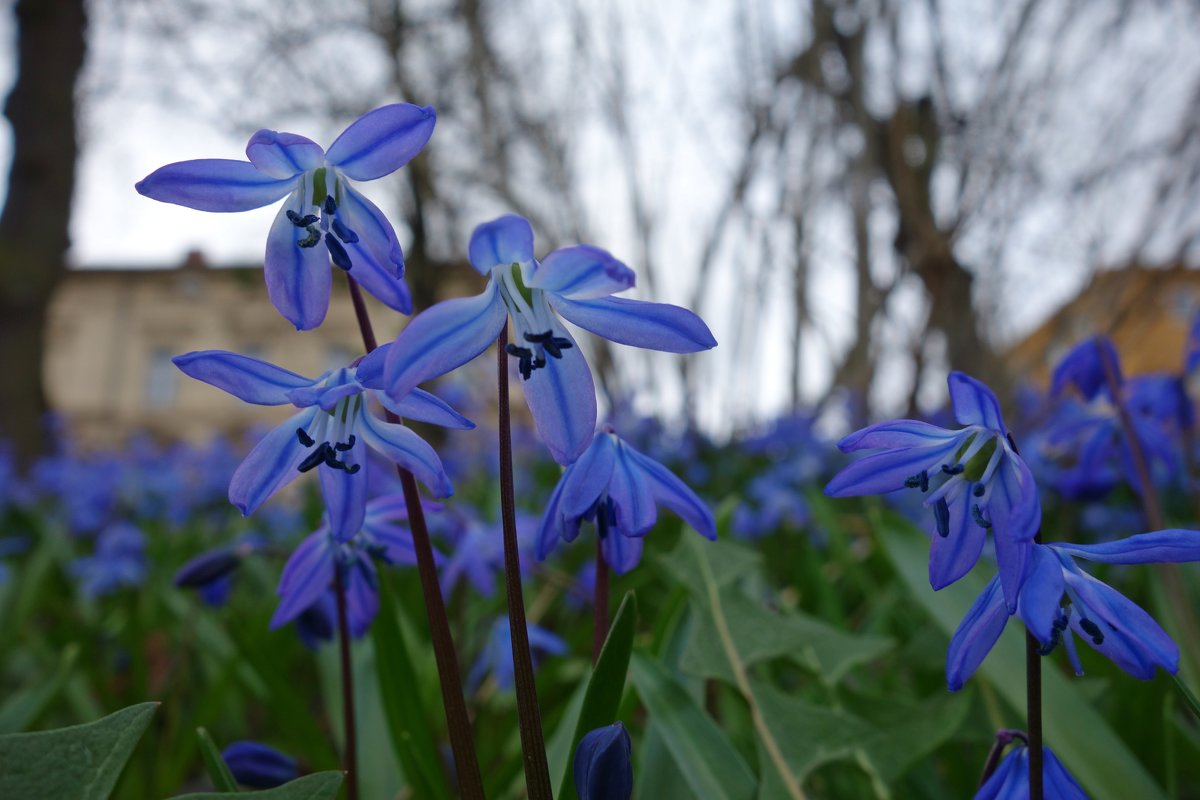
(462,743)
(533,746)
(350,758)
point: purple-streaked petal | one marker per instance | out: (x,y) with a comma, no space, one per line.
(630,493)
(582,272)
(283,155)
(974,403)
(884,472)
(410,451)
(245,378)
(442,338)
(896,434)
(298,280)
(214,184)
(375,232)
(1041,593)
(305,578)
(953,555)
(382,141)
(653,326)
(345,494)
(1172,545)
(587,479)
(506,240)
(976,635)
(562,399)
(379,280)
(673,493)
(622,553)
(425,407)
(271,465)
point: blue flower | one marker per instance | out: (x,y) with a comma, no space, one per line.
(330,433)
(211,572)
(496,657)
(259,766)
(1103,617)
(1086,367)
(324,218)
(118,561)
(1010,781)
(620,489)
(603,766)
(972,479)
(574,282)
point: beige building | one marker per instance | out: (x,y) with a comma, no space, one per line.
(111,335)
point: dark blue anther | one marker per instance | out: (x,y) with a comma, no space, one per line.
(345,234)
(304,438)
(338,253)
(920,480)
(554,345)
(978,490)
(977,514)
(1092,629)
(957,469)
(314,236)
(316,457)
(524,359)
(330,205)
(299,221)
(342,447)
(941,516)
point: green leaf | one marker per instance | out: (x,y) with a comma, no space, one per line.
(404,708)
(606,685)
(1079,736)
(82,762)
(710,765)
(559,752)
(318,786)
(728,562)
(214,762)
(23,708)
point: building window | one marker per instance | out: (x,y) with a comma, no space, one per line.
(161,379)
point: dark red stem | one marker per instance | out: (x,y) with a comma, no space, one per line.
(350,759)
(600,604)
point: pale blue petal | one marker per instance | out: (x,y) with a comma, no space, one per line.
(562,399)
(1172,545)
(305,578)
(246,378)
(582,272)
(425,407)
(298,280)
(375,232)
(369,371)
(214,184)
(653,326)
(283,155)
(953,555)
(552,521)
(630,493)
(271,465)
(1041,593)
(974,403)
(442,338)
(587,479)
(886,472)
(507,240)
(976,635)
(379,281)
(673,493)
(345,494)
(410,451)
(896,434)
(382,141)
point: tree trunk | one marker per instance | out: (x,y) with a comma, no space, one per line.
(34,224)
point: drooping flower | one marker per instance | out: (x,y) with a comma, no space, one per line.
(603,766)
(972,479)
(259,766)
(324,218)
(496,657)
(211,572)
(1010,781)
(619,489)
(1111,623)
(574,282)
(330,433)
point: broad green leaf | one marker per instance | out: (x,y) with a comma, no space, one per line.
(606,685)
(559,753)
(1080,737)
(214,763)
(729,562)
(318,786)
(82,762)
(710,765)
(23,708)
(404,708)
(904,732)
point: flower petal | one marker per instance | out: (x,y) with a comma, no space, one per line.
(976,635)
(974,403)
(1011,558)
(587,479)
(1172,545)
(410,451)
(283,155)
(376,257)
(305,578)
(442,338)
(673,493)
(425,407)
(622,553)
(298,280)
(630,493)
(1041,593)
(369,371)
(562,399)
(345,495)
(382,141)
(896,434)
(552,521)
(214,184)
(1131,637)
(886,472)
(506,240)
(582,272)
(245,378)
(1084,367)
(271,465)
(953,555)
(654,326)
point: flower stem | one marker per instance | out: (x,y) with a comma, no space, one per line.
(600,598)
(350,758)
(1033,713)
(462,743)
(1004,738)
(533,747)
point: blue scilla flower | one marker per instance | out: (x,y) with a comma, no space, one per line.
(603,766)
(1103,617)
(324,217)
(477,552)
(330,433)
(211,573)
(496,657)
(1010,781)
(259,766)
(972,479)
(619,489)
(574,282)
(119,561)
